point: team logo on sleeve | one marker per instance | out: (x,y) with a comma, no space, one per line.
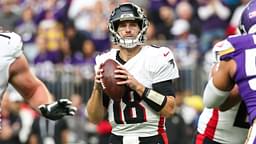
(171,62)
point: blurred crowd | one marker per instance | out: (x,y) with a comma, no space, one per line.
(66,35)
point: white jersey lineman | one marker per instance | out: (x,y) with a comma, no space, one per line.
(132,116)
(10,49)
(229,127)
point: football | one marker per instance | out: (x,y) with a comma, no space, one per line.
(114,91)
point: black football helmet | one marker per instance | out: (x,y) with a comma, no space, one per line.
(128,11)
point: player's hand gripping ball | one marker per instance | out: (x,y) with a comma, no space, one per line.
(114,91)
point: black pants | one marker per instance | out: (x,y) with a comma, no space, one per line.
(114,139)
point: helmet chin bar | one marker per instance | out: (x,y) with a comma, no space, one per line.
(129,43)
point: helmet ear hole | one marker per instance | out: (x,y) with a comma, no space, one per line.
(115,25)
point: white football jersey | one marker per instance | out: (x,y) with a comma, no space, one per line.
(231,126)
(132,116)
(10,49)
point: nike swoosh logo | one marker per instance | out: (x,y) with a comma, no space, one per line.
(165,54)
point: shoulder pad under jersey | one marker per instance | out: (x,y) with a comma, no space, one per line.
(222,48)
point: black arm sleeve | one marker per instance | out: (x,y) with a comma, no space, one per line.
(165,88)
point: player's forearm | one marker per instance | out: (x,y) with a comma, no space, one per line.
(95,108)
(232,99)
(165,105)
(39,95)
(213,96)
(169,108)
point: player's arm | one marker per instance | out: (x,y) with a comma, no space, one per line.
(160,97)
(26,83)
(95,108)
(233,99)
(218,87)
(36,93)
(166,89)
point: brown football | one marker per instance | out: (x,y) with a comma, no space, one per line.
(114,91)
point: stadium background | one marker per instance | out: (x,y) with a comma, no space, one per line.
(62,37)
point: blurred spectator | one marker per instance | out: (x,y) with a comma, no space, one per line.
(88,63)
(98,27)
(176,129)
(67,57)
(44,64)
(151,32)
(8,18)
(45,131)
(86,68)
(173,3)
(53,34)
(26,113)
(81,12)
(53,9)
(167,16)
(186,52)
(214,16)
(184,10)
(27,28)
(153,13)
(209,59)
(10,121)
(36,5)
(43,53)
(77,123)
(76,38)
(188,114)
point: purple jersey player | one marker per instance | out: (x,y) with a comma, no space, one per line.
(237,66)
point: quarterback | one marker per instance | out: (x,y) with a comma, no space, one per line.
(148,71)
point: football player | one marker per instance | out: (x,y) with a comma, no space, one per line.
(225,126)
(237,67)
(147,70)
(14,69)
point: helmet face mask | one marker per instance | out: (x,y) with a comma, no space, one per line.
(125,12)
(247,22)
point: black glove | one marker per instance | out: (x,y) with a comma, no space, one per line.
(58,109)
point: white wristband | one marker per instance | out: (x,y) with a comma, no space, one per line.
(154,99)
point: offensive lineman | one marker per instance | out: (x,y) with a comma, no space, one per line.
(148,72)
(14,69)
(223,127)
(237,66)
